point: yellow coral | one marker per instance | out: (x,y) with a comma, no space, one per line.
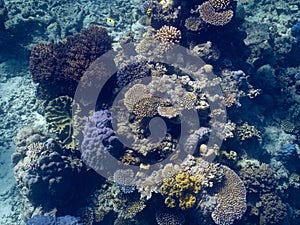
(181,189)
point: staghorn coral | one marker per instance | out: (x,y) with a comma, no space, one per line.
(58,67)
(274,211)
(169,217)
(58,114)
(231,199)
(209,15)
(246,131)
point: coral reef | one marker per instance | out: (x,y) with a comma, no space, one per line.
(58,67)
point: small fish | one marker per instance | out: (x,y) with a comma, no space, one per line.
(149,11)
(110,22)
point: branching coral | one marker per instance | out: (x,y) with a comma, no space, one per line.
(258,178)
(231,199)
(58,67)
(246,131)
(169,217)
(168,36)
(274,211)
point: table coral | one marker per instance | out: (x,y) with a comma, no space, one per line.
(209,15)
(169,217)
(231,199)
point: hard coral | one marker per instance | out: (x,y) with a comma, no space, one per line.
(258,178)
(231,199)
(182,188)
(274,210)
(58,67)
(168,36)
(220,5)
(47,174)
(58,114)
(169,217)
(209,15)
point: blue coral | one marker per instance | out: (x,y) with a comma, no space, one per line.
(296,30)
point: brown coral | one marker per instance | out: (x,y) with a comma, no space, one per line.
(231,199)
(209,15)
(58,67)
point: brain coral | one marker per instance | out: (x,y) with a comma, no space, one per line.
(58,67)
(231,199)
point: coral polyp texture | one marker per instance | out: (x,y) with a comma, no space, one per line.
(231,199)
(58,67)
(211,16)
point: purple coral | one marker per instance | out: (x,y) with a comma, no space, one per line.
(99,140)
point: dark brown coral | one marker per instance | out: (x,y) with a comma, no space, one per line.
(58,67)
